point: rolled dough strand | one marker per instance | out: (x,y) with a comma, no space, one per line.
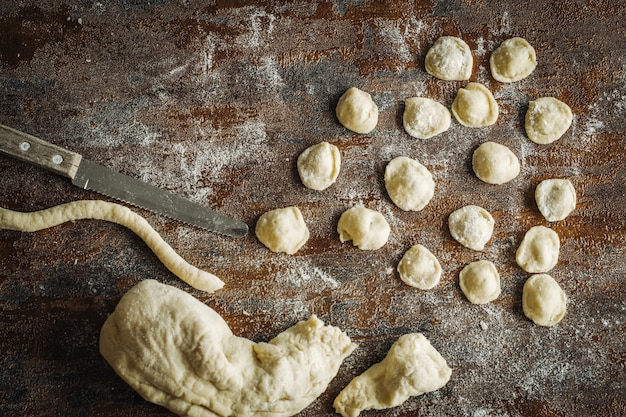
(116,213)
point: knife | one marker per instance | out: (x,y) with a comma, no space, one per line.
(94,177)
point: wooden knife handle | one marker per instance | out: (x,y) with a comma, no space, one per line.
(38,152)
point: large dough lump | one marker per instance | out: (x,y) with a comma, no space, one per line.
(179,353)
(412,367)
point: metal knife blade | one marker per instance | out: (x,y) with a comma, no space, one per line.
(91,176)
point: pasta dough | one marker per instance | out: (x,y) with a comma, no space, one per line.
(319,165)
(177,352)
(419,268)
(513,60)
(409,183)
(449,59)
(556,198)
(494,163)
(471,226)
(366,228)
(547,119)
(412,367)
(480,282)
(543,300)
(116,213)
(475,106)
(424,118)
(539,250)
(282,230)
(357,111)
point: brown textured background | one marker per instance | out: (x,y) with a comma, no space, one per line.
(215,100)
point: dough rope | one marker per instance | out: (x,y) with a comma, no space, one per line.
(115,213)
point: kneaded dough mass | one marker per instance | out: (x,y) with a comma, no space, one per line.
(543,300)
(513,60)
(450,58)
(419,268)
(471,226)
(547,119)
(494,163)
(412,367)
(282,230)
(319,165)
(424,118)
(480,282)
(357,111)
(366,228)
(177,352)
(556,198)
(539,250)
(409,184)
(475,106)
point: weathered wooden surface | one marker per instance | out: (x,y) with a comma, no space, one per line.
(216,101)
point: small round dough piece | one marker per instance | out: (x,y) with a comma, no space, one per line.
(539,250)
(513,60)
(543,300)
(556,198)
(471,226)
(282,230)
(366,228)
(409,184)
(494,163)
(319,165)
(424,118)
(449,59)
(357,111)
(419,268)
(547,119)
(480,282)
(475,106)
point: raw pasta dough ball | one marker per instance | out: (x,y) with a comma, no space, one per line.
(409,184)
(449,59)
(513,60)
(547,119)
(494,163)
(282,230)
(424,118)
(556,198)
(419,268)
(543,300)
(471,226)
(480,282)
(319,166)
(357,111)
(366,228)
(539,250)
(474,106)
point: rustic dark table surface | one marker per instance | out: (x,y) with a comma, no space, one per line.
(215,100)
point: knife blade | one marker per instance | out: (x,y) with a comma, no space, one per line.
(91,176)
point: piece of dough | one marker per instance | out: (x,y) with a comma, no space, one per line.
(366,228)
(539,250)
(543,300)
(319,165)
(556,198)
(357,111)
(116,213)
(547,119)
(419,268)
(412,367)
(409,183)
(282,230)
(475,106)
(424,118)
(513,60)
(480,282)
(449,59)
(179,353)
(494,163)
(471,226)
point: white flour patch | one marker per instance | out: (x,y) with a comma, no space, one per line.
(299,273)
